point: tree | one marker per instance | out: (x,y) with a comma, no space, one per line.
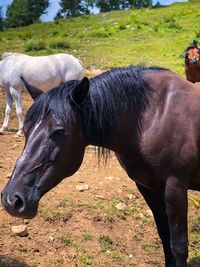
(73,8)
(108,5)
(2,25)
(140,3)
(25,12)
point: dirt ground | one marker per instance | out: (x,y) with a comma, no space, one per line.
(75,228)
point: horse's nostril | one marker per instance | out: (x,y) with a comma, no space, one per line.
(19,203)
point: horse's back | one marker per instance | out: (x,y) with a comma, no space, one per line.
(42,71)
(171,135)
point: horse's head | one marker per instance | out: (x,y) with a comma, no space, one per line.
(192,54)
(54,146)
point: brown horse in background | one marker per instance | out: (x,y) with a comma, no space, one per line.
(192,63)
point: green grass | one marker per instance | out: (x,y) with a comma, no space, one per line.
(66,240)
(87,236)
(53,216)
(119,38)
(86,259)
(105,243)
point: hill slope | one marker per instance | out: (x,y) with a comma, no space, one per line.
(151,36)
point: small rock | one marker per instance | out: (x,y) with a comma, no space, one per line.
(15,146)
(111,178)
(9,175)
(130,256)
(131,196)
(26,221)
(119,191)
(139,216)
(149,213)
(20,230)
(120,206)
(82,187)
(18,139)
(51,238)
(100,197)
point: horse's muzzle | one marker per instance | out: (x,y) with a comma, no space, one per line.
(194,60)
(17,205)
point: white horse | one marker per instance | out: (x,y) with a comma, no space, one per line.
(42,71)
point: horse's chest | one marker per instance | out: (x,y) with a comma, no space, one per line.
(193,73)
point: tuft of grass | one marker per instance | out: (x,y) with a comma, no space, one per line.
(101,33)
(66,240)
(52,216)
(105,243)
(195,226)
(87,236)
(116,256)
(86,259)
(195,261)
(63,203)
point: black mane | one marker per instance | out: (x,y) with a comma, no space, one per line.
(110,93)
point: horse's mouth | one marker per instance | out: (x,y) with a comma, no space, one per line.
(29,213)
(19,206)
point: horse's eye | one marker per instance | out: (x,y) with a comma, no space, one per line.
(57,132)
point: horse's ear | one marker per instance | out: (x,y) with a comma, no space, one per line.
(33,91)
(195,43)
(80,91)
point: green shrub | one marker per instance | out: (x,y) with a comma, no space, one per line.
(25,36)
(171,24)
(35,46)
(59,44)
(100,33)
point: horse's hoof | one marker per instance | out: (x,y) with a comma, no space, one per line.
(1,132)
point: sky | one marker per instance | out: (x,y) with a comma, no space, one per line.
(54,6)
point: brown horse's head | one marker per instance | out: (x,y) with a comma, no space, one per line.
(192,55)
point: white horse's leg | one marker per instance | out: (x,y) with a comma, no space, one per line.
(16,95)
(9,103)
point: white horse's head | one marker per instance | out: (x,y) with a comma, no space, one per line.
(6,55)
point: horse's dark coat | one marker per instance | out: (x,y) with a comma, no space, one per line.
(149,117)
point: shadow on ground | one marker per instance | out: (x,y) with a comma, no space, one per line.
(195,262)
(10,262)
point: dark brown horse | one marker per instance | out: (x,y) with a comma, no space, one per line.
(149,117)
(192,63)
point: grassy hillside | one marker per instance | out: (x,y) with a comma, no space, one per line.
(150,36)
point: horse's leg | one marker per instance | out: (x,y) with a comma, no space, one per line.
(157,206)
(176,208)
(16,95)
(9,103)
